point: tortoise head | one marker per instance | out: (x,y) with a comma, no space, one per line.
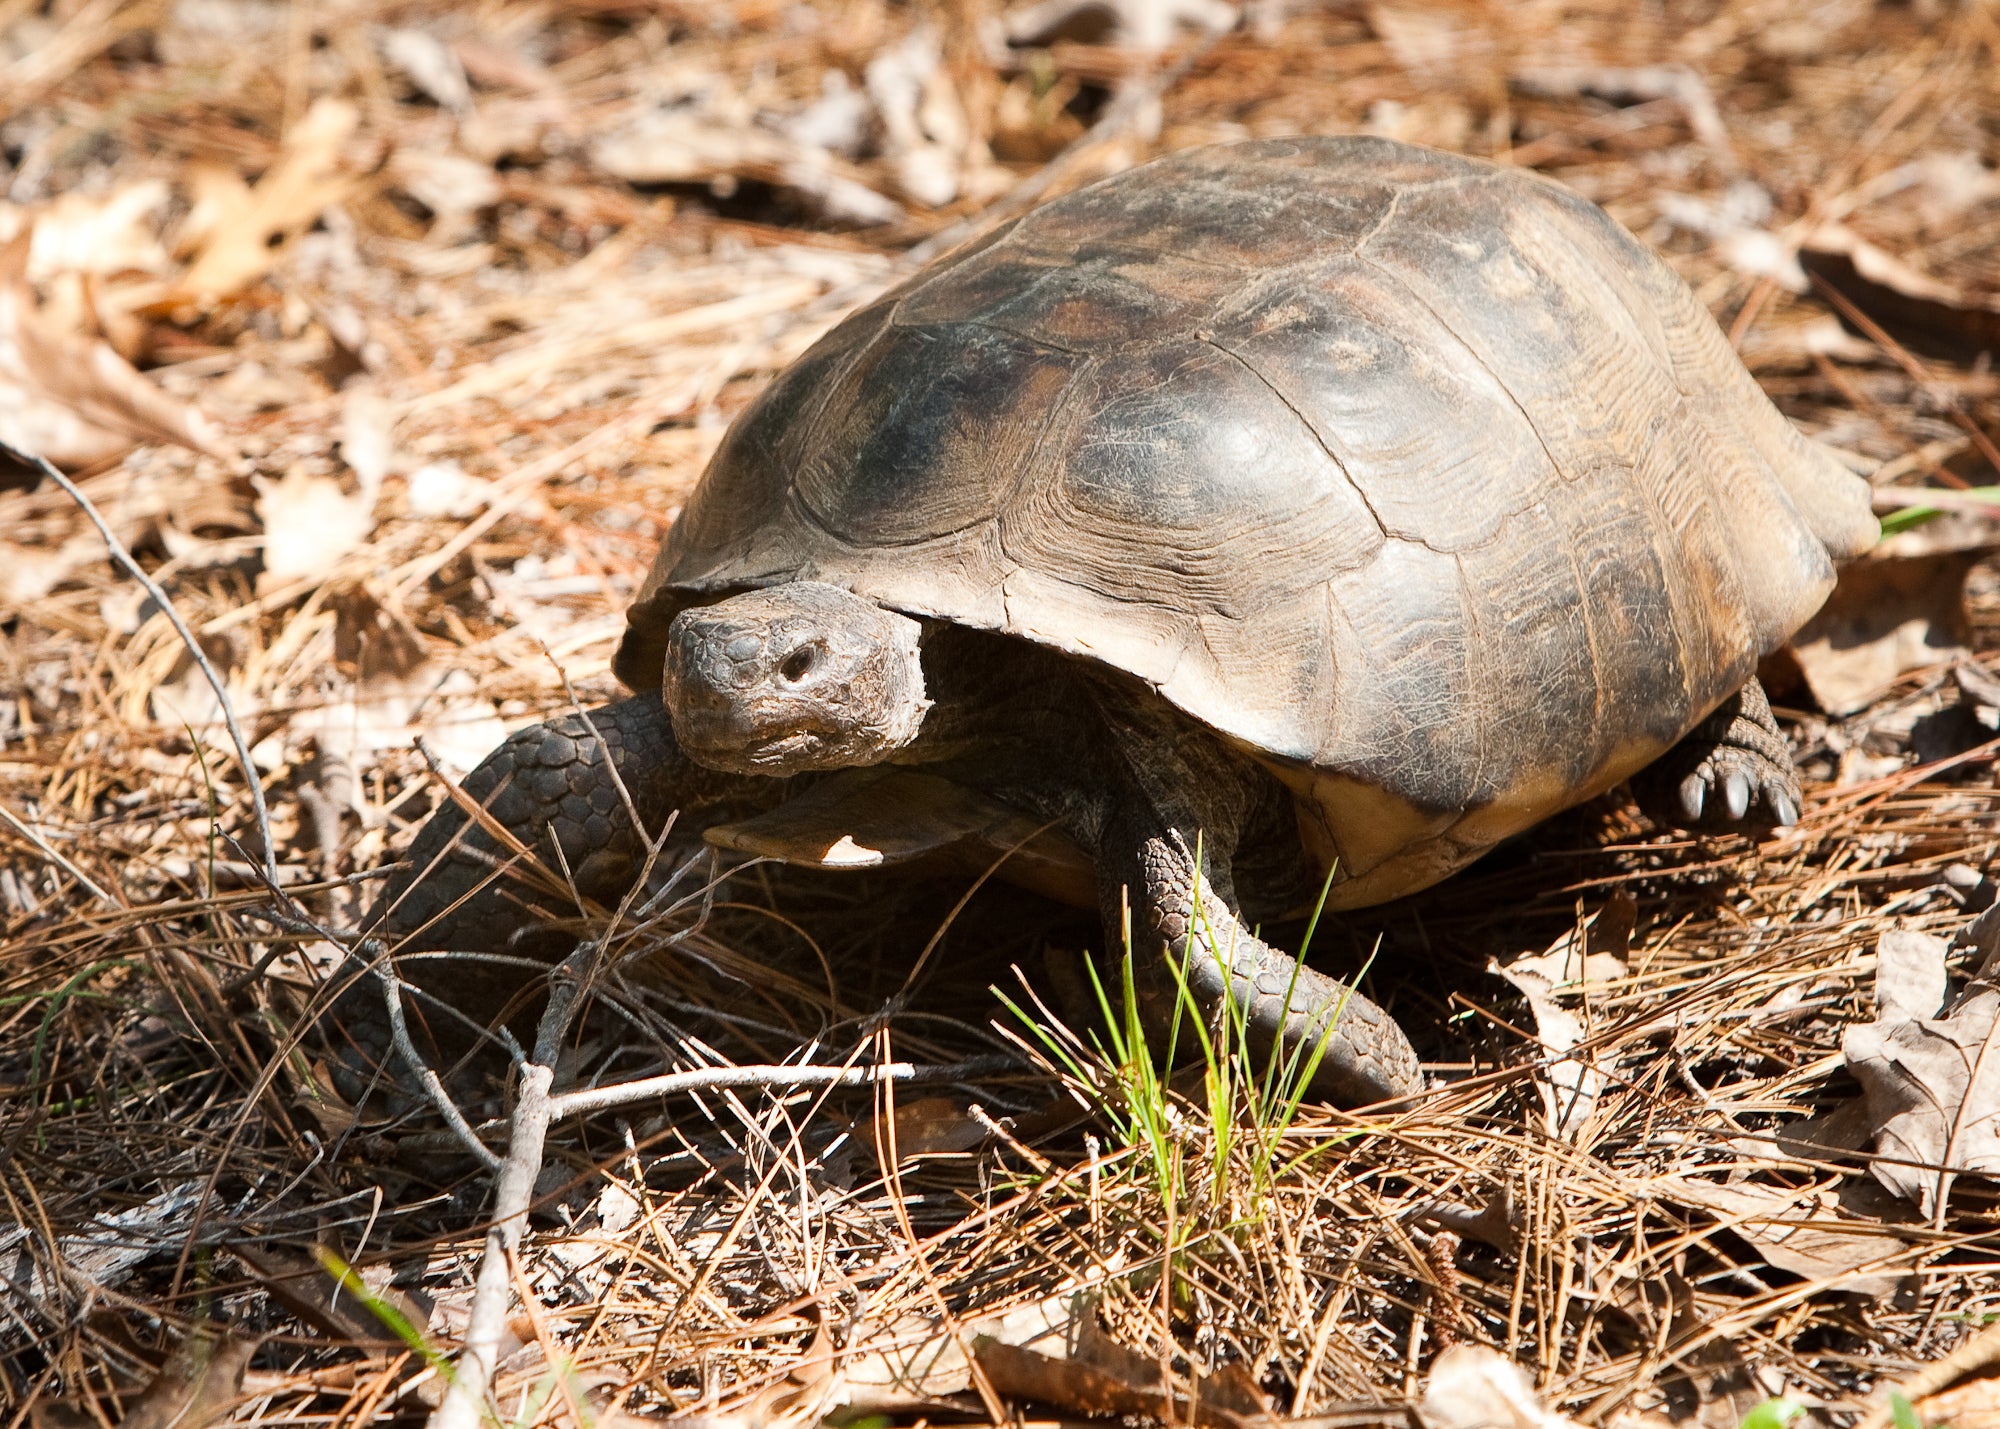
(795,678)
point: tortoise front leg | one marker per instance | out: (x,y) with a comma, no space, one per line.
(546,785)
(1183,909)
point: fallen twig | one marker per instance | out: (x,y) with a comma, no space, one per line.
(464,1403)
(703,1079)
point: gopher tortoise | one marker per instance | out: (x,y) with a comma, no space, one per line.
(1274,512)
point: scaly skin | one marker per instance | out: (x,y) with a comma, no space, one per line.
(551,777)
(1366,1057)
(1733,770)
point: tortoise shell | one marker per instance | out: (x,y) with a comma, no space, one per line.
(1417,478)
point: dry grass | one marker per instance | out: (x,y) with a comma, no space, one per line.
(499,353)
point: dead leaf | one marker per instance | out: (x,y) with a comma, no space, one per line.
(1105,1378)
(921,1360)
(1798,1232)
(1933,1091)
(197,1384)
(930,1126)
(1141,24)
(838,121)
(103,1255)
(1975,1404)
(1572,963)
(922,120)
(1634,84)
(75,401)
(678,147)
(187,701)
(1735,225)
(27,573)
(1435,45)
(1982,935)
(303,1287)
(322,1101)
(442,488)
(105,235)
(1901,607)
(454,188)
(241,227)
(373,641)
(1569,1086)
(430,65)
(1712,1382)
(1473,1387)
(1497,1222)
(367,438)
(310,523)
(1898,296)
(1793,339)
(393,691)
(1910,979)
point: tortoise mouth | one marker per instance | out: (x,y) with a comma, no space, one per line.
(791,679)
(715,744)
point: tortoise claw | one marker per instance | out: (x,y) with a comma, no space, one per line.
(1694,796)
(1736,794)
(1784,813)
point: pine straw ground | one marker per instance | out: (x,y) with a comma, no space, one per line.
(472,359)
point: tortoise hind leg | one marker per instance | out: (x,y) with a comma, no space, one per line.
(1733,770)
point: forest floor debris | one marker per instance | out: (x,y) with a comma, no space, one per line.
(389,338)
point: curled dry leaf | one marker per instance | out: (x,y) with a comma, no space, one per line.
(74,400)
(1898,296)
(235,229)
(678,147)
(1899,608)
(1931,1081)
(1569,1086)
(1473,1387)
(1799,1232)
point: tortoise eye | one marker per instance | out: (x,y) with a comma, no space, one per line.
(799,663)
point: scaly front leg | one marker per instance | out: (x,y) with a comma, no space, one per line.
(1183,915)
(549,785)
